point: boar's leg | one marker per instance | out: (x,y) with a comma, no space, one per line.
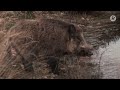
(53,64)
(27,65)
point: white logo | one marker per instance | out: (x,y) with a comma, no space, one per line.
(113,18)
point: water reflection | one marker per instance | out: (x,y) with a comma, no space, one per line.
(107,52)
(110,60)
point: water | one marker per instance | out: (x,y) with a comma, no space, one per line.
(107,53)
(109,60)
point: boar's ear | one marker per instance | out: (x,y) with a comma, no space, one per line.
(72,31)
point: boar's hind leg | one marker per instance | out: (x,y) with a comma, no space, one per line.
(27,65)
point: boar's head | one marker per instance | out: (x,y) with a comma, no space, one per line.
(77,42)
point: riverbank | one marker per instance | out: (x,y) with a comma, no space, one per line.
(98,30)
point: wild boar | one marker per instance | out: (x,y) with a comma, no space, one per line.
(30,39)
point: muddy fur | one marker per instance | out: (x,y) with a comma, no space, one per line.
(31,40)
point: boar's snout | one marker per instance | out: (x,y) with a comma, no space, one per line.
(85,50)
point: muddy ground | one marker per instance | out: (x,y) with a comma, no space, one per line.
(98,30)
